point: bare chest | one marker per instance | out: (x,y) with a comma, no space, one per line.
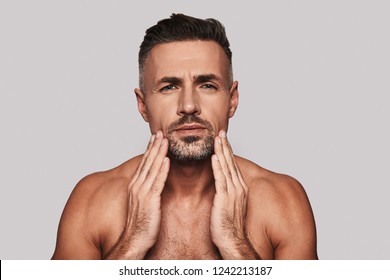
(184,237)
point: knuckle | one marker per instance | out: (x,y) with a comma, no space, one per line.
(240,191)
(148,161)
(155,188)
(225,185)
(146,167)
(225,143)
(222,183)
(150,170)
(228,174)
(143,169)
(133,192)
(229,161)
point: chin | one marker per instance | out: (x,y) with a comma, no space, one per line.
(191,148)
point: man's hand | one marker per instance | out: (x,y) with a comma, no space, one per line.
(144,200)
(227,223)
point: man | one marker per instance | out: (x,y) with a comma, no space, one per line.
(188,196)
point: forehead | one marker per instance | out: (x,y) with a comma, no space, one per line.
(187,58)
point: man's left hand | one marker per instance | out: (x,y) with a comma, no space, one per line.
(227,222)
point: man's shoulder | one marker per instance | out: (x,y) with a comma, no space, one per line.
(278,203)
(92,211)
(104,185)
(261,179)
(277,193)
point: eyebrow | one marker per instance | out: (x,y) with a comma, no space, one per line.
(171,80)
(198,79)
(206,78)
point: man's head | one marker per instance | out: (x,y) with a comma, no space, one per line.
(181,27)
(186,87)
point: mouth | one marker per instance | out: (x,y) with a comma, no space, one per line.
(190,129)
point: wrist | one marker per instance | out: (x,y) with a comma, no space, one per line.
(239,249)
(128,247)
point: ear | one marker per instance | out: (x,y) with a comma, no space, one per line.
(233,99)
(141,104)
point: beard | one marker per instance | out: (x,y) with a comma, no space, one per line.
(190,148)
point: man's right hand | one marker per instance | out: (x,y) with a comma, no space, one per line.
(144,203)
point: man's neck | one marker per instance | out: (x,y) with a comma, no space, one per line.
(193,179)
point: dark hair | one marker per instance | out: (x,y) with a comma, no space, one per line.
(181,27)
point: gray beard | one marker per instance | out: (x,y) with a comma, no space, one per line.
(191,148)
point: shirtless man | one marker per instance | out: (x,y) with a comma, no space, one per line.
(188,196)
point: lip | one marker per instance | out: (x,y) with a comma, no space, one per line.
(190,127)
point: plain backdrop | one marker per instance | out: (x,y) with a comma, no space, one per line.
(314,104)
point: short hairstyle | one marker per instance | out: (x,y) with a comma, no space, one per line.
(180,27)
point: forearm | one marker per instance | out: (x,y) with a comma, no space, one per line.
(126,249)
(122,252)
(144,209)
(241,249)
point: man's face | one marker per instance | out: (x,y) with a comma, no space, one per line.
(187,94)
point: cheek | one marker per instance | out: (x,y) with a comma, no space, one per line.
(159,116)
(217,115)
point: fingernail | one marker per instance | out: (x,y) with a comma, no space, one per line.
(158,134)
(152,138)
(216,157)
(223,134)
(163,141)
(219,140)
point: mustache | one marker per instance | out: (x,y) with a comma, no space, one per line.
(186,119)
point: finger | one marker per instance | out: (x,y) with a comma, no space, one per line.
(219,176)
(228,153)
(150,154)
(222,162)
(230,159)
(149,147)
(155,166)
(161,177)
(231,168)
(241,178)
(142,162)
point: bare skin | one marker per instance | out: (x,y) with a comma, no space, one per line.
(278,222)
(155,206)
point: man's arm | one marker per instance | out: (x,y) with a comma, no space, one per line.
(75,239)
(293,228)
(144,203)
(283,206)
(228,215)
(81,227)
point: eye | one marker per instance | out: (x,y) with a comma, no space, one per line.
(209,87)
(168,88)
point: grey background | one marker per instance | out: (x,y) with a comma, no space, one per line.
(314,84)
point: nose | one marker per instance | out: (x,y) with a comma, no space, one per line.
(188,103)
